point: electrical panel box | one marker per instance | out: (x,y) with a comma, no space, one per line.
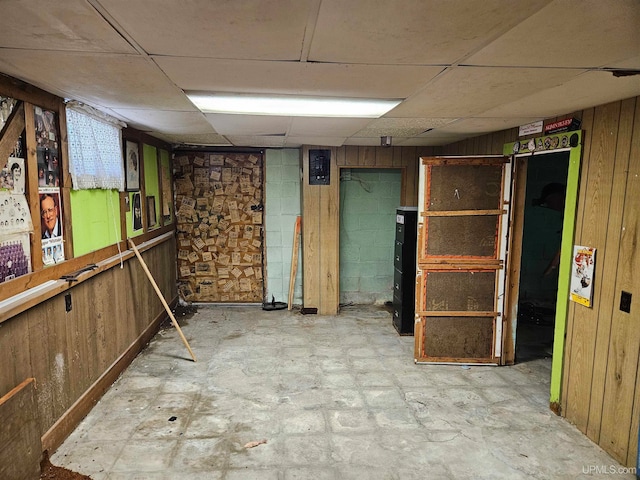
(319,167)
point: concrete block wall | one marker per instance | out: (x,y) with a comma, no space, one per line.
(368,202)
(282,206)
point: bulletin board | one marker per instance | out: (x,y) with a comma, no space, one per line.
(219,213)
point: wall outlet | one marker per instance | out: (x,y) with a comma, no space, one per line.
(625,302)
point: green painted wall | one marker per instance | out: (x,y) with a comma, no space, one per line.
(282,206)
(368,202)
(95,216)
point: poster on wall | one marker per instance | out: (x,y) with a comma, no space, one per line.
(51,226)
(582,270)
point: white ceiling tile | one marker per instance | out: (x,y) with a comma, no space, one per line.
(302,78)
(476,126)
(258,29)
(98,80)
(587,90)
(192,138)
(166,121)
(365,141)
(332,127)
(401,127)
(465,91)
(315,140)
(257,140)
(412,31)
(62,25)
(249,124)
(432,141)
(569,33)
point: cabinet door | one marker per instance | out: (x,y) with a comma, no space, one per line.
(463,212)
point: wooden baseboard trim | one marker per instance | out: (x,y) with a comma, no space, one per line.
(63,427)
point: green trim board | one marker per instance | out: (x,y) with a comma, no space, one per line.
(571,142)
(95,216)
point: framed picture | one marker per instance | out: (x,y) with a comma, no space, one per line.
(151,211)
(132,166)
(137,211)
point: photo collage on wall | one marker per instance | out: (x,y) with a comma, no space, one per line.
(15,217)
(49,186)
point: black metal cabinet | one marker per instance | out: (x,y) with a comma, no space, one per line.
(404,263)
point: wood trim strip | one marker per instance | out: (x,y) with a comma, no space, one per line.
(12,87)
(63,427)
(454,360)
(13,308)
(464,160)
(457,313)
(461,213)
(31,280)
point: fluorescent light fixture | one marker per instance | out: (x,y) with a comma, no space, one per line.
(290,105)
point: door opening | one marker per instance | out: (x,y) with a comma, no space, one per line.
(541,240)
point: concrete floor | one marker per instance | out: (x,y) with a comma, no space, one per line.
(334,398)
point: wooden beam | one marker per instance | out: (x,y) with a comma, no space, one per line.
(161,297)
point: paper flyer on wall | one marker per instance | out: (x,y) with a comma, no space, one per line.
(51,225)
(582,271)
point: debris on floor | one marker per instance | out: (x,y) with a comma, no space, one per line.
(48,471)
(255,443)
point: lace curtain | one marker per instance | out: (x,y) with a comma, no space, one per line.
(95,152)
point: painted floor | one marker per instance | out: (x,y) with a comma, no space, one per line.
(332,397)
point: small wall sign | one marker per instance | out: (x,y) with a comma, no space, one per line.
(582,270)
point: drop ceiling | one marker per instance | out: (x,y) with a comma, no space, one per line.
(462,67)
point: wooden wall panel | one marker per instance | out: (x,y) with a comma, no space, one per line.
(598,189)
(67,352)
(20,446)
(608,261)
(329,280)
(311,236)
(622,346)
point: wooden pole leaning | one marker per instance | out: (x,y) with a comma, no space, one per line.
(294,260)
(161,297)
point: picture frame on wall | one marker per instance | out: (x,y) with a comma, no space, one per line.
(132,166)
(151,211)
(136,211)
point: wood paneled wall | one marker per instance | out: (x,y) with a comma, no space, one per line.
(113,315)
(321,215)
(601,379)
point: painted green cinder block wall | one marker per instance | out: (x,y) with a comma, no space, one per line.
(368,202)
(282,206)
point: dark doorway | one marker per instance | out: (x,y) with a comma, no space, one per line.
(542,234)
